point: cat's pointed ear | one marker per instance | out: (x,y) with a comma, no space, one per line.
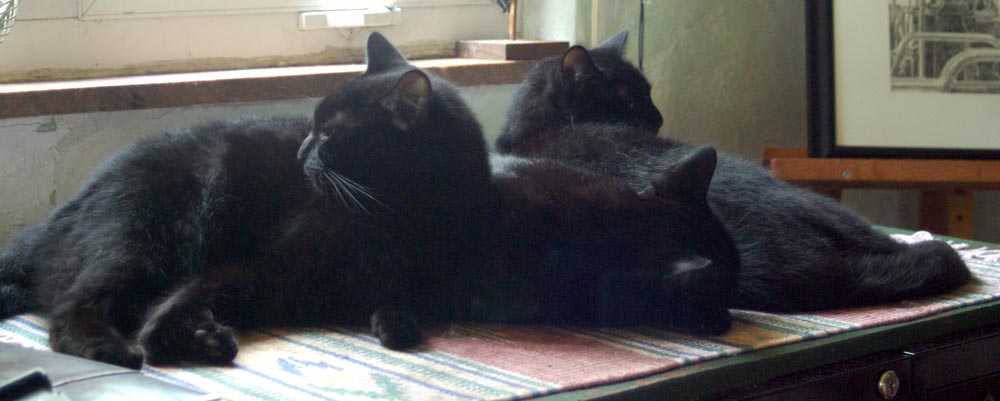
(577,65)
(689,264)
(380,54)
(615,43)
(690,178)
(409,100)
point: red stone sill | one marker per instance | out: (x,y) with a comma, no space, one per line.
(179,90)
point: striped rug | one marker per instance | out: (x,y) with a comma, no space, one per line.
(476,361)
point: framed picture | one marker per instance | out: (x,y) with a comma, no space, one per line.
(904,78)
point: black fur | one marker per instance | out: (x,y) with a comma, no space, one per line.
(184,234)
(799,251)
(578,88)
(574,247)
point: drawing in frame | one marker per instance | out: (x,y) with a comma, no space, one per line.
(904,78)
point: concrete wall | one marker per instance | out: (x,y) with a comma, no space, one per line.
(43,160)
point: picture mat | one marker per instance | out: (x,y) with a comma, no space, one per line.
(869,114)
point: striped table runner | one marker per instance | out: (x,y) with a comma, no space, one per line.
(476,361)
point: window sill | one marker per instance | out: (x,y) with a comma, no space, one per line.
(179,90)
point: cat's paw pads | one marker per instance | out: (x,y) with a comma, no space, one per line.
(216,343)
(396,330)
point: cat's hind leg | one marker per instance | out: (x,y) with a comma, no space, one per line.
(15,293)
(92,322)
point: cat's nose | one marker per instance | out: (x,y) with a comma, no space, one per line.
(655,120)
(307,145)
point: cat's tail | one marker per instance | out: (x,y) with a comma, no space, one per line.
(884,273)
(914,271)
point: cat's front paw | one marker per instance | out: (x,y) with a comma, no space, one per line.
(396,329)
(115,351)
(121,354)
(700,320)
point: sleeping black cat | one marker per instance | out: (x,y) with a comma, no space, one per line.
(181,234)
(577,248)
(798,251)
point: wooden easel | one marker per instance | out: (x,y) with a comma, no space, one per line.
(946,186)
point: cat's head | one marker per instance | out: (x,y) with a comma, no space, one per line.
(583,86)
(674,229)
(656,257)
(704,278)
(384,139)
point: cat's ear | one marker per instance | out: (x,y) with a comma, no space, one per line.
(408,101)
(577,65)
(690,178)
(380,54)
(615,43)
(689,264)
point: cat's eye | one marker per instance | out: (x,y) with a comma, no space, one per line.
(323,136)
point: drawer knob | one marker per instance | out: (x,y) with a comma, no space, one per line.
(888,385)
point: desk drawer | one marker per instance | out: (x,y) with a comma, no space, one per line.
(961,363)
(986,388)
(854,380)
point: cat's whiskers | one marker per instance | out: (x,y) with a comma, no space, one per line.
(346,190)
(365,191)
(349,192)
(335,188)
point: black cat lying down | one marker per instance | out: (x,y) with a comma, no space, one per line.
(798,251)
(183,234)
(377,212)
(578,248)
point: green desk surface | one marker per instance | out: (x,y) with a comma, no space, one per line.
(758,366)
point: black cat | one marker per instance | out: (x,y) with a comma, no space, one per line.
(580,87)
(183,234)
(798,251)
(577,248)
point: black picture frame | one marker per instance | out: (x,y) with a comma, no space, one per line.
(822,91)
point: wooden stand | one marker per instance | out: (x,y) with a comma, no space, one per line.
(946,186)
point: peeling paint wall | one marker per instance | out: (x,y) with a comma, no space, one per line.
(43,160)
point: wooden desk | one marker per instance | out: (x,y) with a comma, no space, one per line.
(946,186)
(937,358)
